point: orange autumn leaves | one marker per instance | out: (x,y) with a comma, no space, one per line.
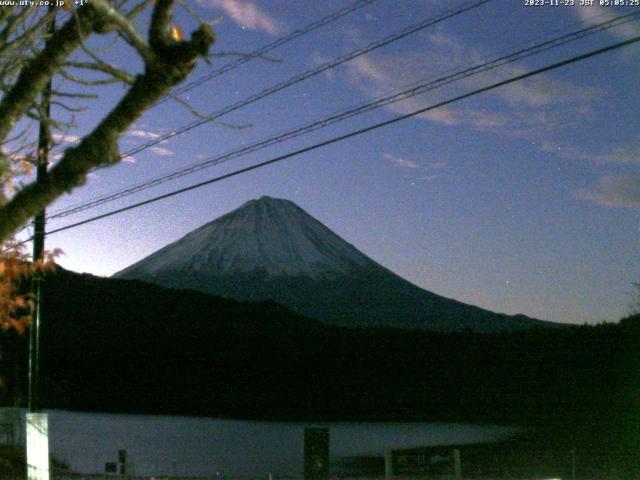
(15,271)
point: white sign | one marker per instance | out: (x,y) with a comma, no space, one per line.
(37,446)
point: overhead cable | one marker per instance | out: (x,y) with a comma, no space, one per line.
(352,134)
(354,111)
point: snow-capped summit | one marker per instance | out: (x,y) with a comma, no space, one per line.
(268,235)
(271,249)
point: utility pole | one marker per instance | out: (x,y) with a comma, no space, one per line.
(37,447)
(38,239)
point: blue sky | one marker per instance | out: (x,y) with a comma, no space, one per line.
(522,200)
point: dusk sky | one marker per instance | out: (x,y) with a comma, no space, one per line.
(525,199)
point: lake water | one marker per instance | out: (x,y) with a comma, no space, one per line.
(206,447)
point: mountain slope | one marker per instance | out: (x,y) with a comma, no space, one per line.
(271,236)
(272,249)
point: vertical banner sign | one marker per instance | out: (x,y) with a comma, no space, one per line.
(37,446)
(316,453)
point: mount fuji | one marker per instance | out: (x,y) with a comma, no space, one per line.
(271,249)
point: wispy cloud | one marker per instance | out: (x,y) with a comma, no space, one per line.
(162,152)
(399,161)
(63,138)
(430,178)
(627,154)
(614,191)
(543,90)
(596,14)
(246,13)
(143,134)
(428,173)
(523,107)
(130,159)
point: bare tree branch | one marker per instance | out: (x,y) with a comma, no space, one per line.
(37,73)
(104,67)
(197,114)
(158,31)
(89,83)
(167,63)
(137,10)
(68,108)
(58,93)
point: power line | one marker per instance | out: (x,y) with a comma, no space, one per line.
(361,131)
(269,47)
(262,51)
(415,90)
(308,74)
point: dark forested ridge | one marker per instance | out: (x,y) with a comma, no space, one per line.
(126,346)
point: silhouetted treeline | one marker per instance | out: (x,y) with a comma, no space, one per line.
(125,346)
